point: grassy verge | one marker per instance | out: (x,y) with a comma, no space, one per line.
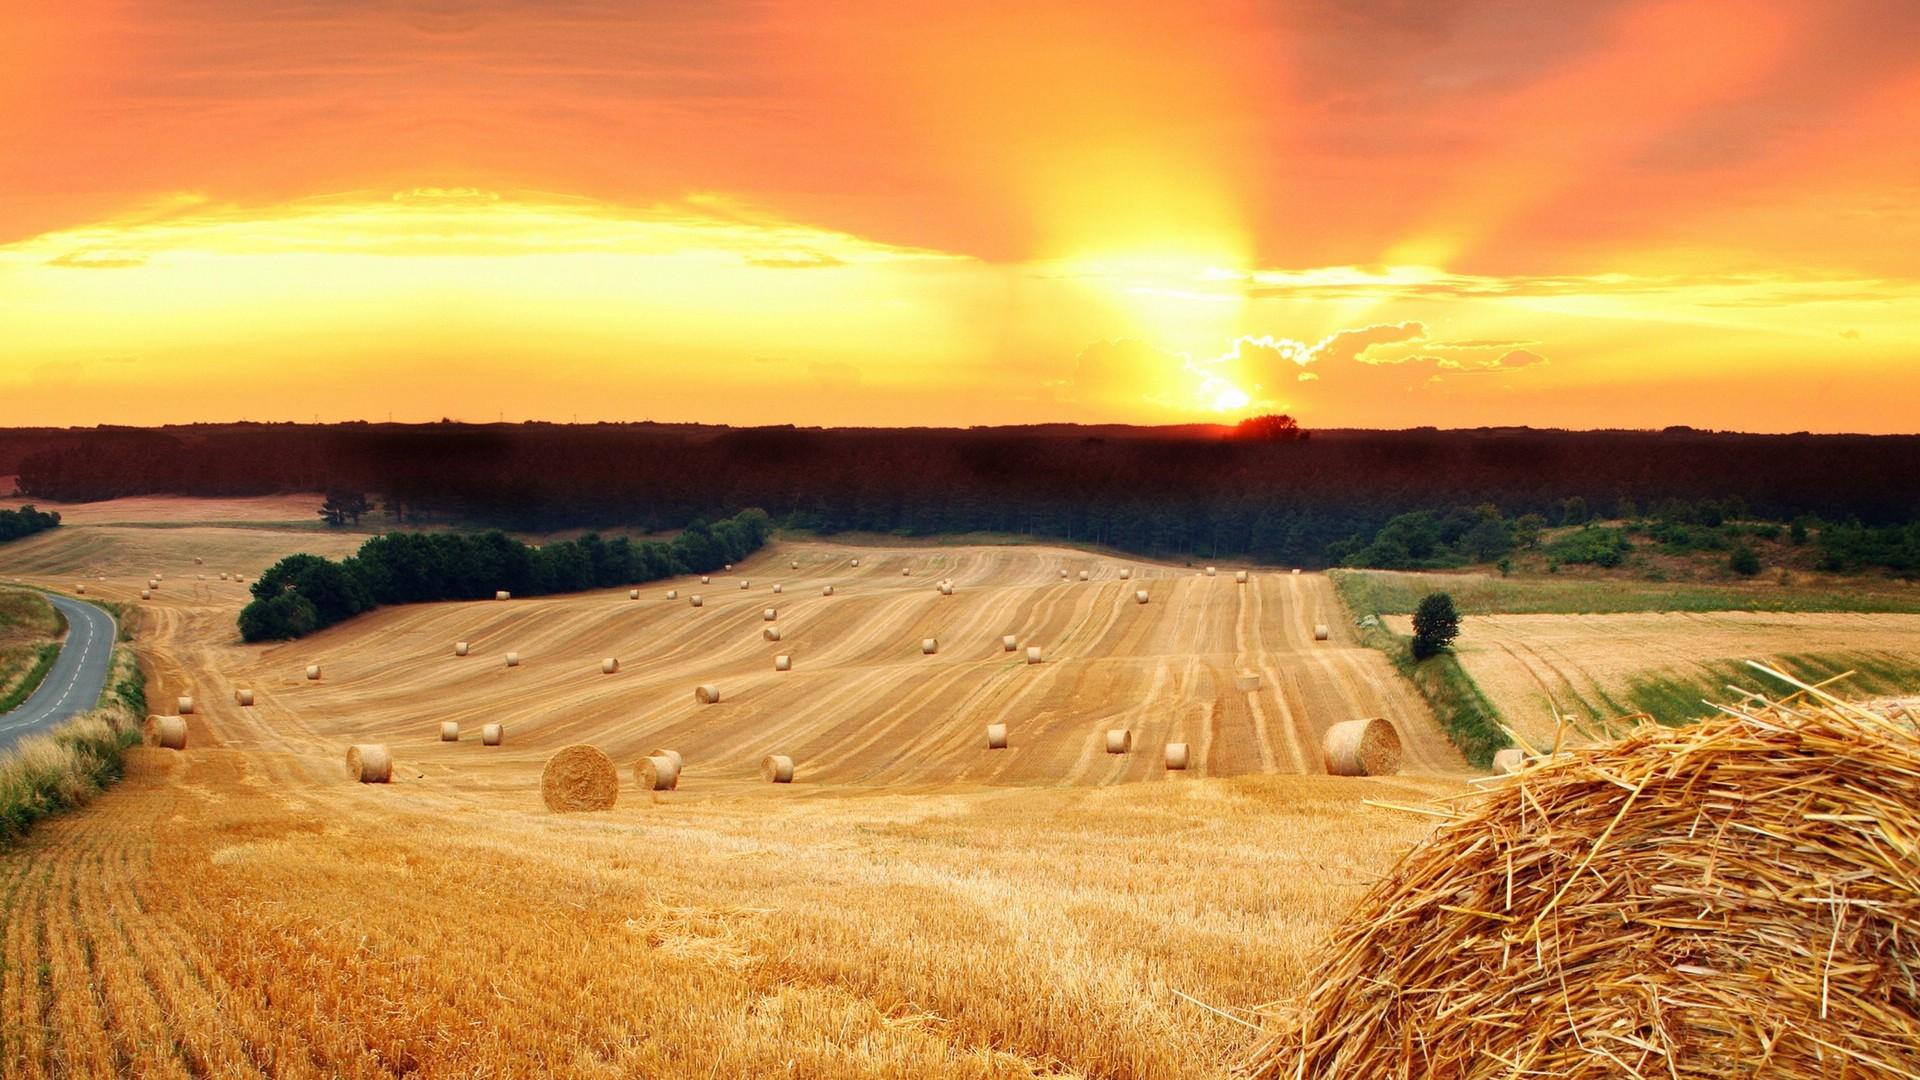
(43,660)
(1397,593)
(1680,699)
(1470,719)
(66,767)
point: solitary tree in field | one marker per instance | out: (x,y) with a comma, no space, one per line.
(1435,625)
(342,504)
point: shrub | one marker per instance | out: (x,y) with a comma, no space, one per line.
(1744,561)
(1435,624)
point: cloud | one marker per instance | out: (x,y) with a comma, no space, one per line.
(1850,335)
(1508,361)
(1353,344)
(80,260)
(807,260)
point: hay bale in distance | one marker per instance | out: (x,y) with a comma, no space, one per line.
(153,583)
(1119,740)
(1369,747)
(492,734)
(656,773)
(744,583)
(459,648)
(906,571)
(610,665)
(633,594)
(243,698)
(1176,756)
(1321,631)
(783,662)
(1246,681)
(695,600)
(1239,577)
(929,646)
(1033,654)
(184,705)
(1063,573)
(771,633)
(198,561)
(1210,571)
(449,731)
(223,575)
(945,589)
(728,568)
(502,594)
(826,590)
(796,565)
(776,769)
(673,594)
(513,659)
(777,590)
(856,562)
(80,590)
(1126,573)
(369,763)
(1083,575)
(1010,643)
(1139,596)
(1295,571)
(166,732)
(706,694)
(579,777)
(769,614)
(679,763)
(996,736)
(146,594)
(1509,761)
(313,672)
(706,579)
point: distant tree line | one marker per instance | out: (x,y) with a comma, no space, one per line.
(303,593)
(1265,491)
(25,521)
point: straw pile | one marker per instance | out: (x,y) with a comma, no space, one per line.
(243,698)
(1119,741)
(449,731)
(1735,898)
(783,662)
(183,705)
(706,694)
(771,633)
(492,734)
(1321,632)
(1009,643)
(502,595)
(776,769)
(1369,747)
(168,732)
(153,583)
(929,646)
(369,763)
(996,736)
(1139,596)
(1509,761)
(610,665)
(1176,756)
(459,648)
(1033,654)
(579,777)
(313,672)
(656,773)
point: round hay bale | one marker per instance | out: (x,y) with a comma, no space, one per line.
(1369,747)
(695,600)
(513,659)
(783,662)
(796,564)
(1119,741)
(1063,573)
(827,591)
(166,732)
(1010,643)
(459,648)
(856,562)
(633,594)
(579,777)
(679,762)
(707,694)
(610,665)
(706,579)
(492,734)
(744,583)
(146,594)
(369,763)
(1176,756)
(1246,681)
(223,575)
(502,594)
(198,561)
(946,590)
(80,590)
(1239,577)
(1295,571)
(1509,761)
(1673,897)
(1139,596)
(929,646)
(243,698)
(184,705)
(906,571)
(771,633)
(776,769)
(1210,571)
(1033,654)
(1126,573)
(313,672)
(1321,631)
(153,583)
(996,736)
(673,594)
(769,615)
(656,774)
(1083,575)
(728,568)
(449,731)
(777,590)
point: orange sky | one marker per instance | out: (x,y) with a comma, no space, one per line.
(1375,214)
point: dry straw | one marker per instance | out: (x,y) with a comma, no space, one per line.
(1177,756)
(1063,573)
(706,694)
(492,734)
(1369,747)
(728,568)
(168,732)
(776,769)
(1733,898)
(369,763)
(80,590)
(706,579)
(313,672)
(795,565)
(579,777)
(656,774)
(449,731)
(1119,741)
(996,736)
(856,562)
(1509,761)
(183,705)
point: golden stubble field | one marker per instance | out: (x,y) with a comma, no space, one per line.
(913,905)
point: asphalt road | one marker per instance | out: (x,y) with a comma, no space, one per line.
(78,677)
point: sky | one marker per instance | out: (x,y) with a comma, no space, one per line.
(1366,214)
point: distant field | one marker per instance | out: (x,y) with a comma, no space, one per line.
(1396,592)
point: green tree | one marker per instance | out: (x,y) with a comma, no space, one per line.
(1435,624)
(1527,529)
(1744,561)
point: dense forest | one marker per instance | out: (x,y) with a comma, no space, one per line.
(303,593)
(1263,490)
(25,521)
